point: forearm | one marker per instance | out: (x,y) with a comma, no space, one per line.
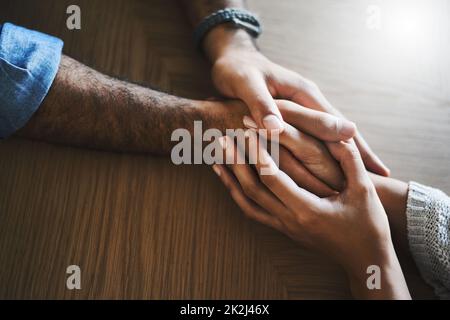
(88,109)
(392,284)
(393,195)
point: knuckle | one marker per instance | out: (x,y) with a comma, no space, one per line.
(224,67)
(307,221)
(221,67)
(242,75)
(365,188)
(239,75)
(328,123)
(350,152)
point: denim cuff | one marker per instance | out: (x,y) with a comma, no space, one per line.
(29,61)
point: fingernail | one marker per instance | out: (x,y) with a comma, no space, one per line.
(348,128)
(249,123)
(272,122)
(216,170)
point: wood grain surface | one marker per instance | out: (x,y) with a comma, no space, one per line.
(142,228)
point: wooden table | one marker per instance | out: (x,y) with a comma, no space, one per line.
(140,227)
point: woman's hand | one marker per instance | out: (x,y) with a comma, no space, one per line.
(241,71)
(351,226)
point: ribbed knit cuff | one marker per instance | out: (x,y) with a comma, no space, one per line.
(416,215)
(427,215)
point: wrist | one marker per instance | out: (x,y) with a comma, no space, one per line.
(385,271)
(393,195)
(222,115)
(375,251)
(226,38)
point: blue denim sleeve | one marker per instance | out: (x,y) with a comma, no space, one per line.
(29,61)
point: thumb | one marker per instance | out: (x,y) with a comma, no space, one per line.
(260,102)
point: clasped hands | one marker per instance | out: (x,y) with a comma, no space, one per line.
(321,195)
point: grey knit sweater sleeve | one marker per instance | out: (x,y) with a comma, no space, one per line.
(428,221)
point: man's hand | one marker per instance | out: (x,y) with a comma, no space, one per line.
(241,71)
